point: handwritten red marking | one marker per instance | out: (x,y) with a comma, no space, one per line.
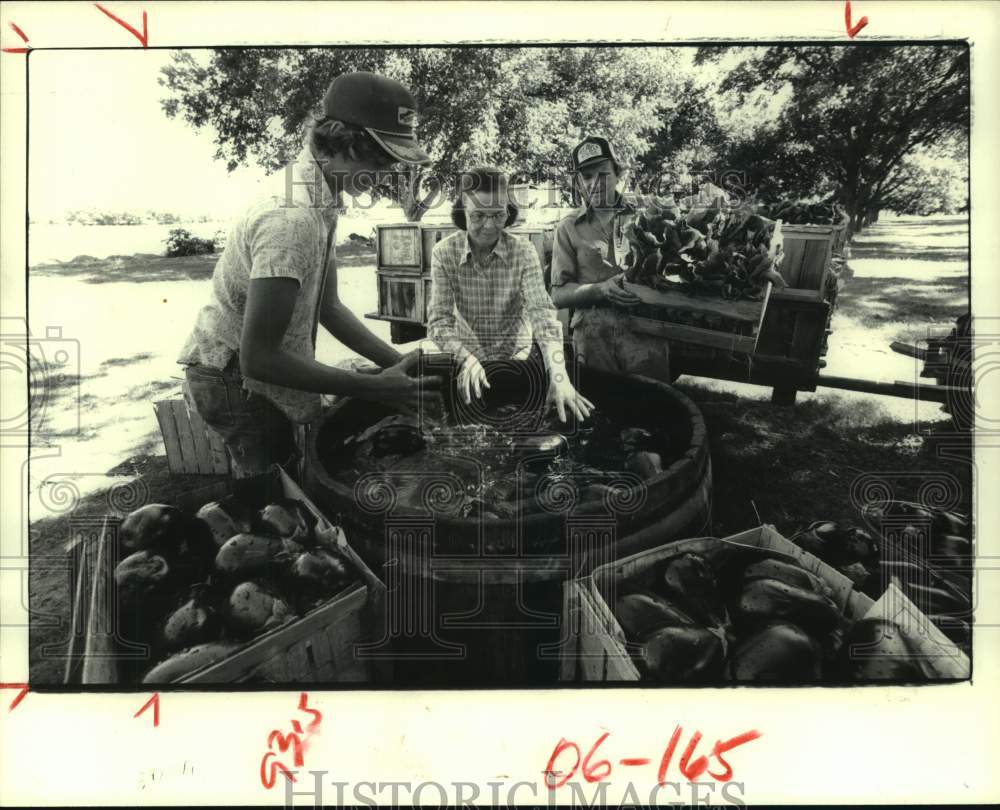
(550,771)
(23,687)
(722,747)
(24,38)
(154,701)
(317,714)
(692,770)
(590,770)
(268,778)
(668,754)
(634,761)
(297,742)
(852,30)
(143,37)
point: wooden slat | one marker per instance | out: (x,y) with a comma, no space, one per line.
(168,429)
(78,552)
(735,310)
(693,334)
(180,414)
(202,451)
(99,665)
(218,451)
(297,663)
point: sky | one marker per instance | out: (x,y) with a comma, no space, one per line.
(99,140)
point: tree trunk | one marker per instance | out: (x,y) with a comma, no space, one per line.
(409,191)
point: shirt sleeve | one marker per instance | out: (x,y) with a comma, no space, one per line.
(538,306)
(441,322)
(564,267)
(282,244)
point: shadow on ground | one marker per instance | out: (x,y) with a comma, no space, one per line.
(893,251)
(874,302)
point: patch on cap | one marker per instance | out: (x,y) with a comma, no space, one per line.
(407,117)
(589,150)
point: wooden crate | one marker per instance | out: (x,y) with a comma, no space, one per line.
(427,298)
(398,247)
(601,652)
(318,647)
(430,236)
(807,253)
(191,445)
(400,297)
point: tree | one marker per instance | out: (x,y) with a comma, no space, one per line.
(520,108)
(853,113)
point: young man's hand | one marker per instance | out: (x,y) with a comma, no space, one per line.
(397,385)
(611,292)
(565,397)
(471,378)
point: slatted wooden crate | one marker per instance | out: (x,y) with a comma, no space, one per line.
(191,445)
(321,647)
(807,253)
(398,247)
(430,236)
(400,297)
(601,649)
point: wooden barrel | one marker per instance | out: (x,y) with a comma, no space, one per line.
(477,601)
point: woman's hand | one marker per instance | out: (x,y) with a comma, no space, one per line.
(471,378)
(564,396)
(396,385)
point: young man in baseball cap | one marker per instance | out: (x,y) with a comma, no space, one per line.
(588,250)
(250,360)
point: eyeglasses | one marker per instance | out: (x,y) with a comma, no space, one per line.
(480,217)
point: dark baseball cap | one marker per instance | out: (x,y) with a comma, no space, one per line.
(592,150)
(383,107)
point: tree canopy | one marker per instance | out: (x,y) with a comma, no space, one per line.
(519,108)
(818,121)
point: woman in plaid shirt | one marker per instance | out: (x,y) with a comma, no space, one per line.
(488,298)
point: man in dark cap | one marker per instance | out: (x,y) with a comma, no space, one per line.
(250,359)
(589,248)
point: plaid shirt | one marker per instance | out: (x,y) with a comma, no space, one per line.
(491,311)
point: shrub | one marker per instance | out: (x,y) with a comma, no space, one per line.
(180,242)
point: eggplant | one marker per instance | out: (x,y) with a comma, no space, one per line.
(634,439)
(194,622)
(955,629)
(958,549)
(641,613)
(856,572)
(837,545)
(255,607)
(876,650)
(644,464)
(788,573)
(317,574)
(950,523)
(246,555)
(187,661)
(683,655)
(140,576)
(221,523)
(156,526)
(765,600)
(936,600)
(690,581)
(289,519)
(779,653)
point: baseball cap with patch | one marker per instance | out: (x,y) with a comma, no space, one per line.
(592,150)
(383,107)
